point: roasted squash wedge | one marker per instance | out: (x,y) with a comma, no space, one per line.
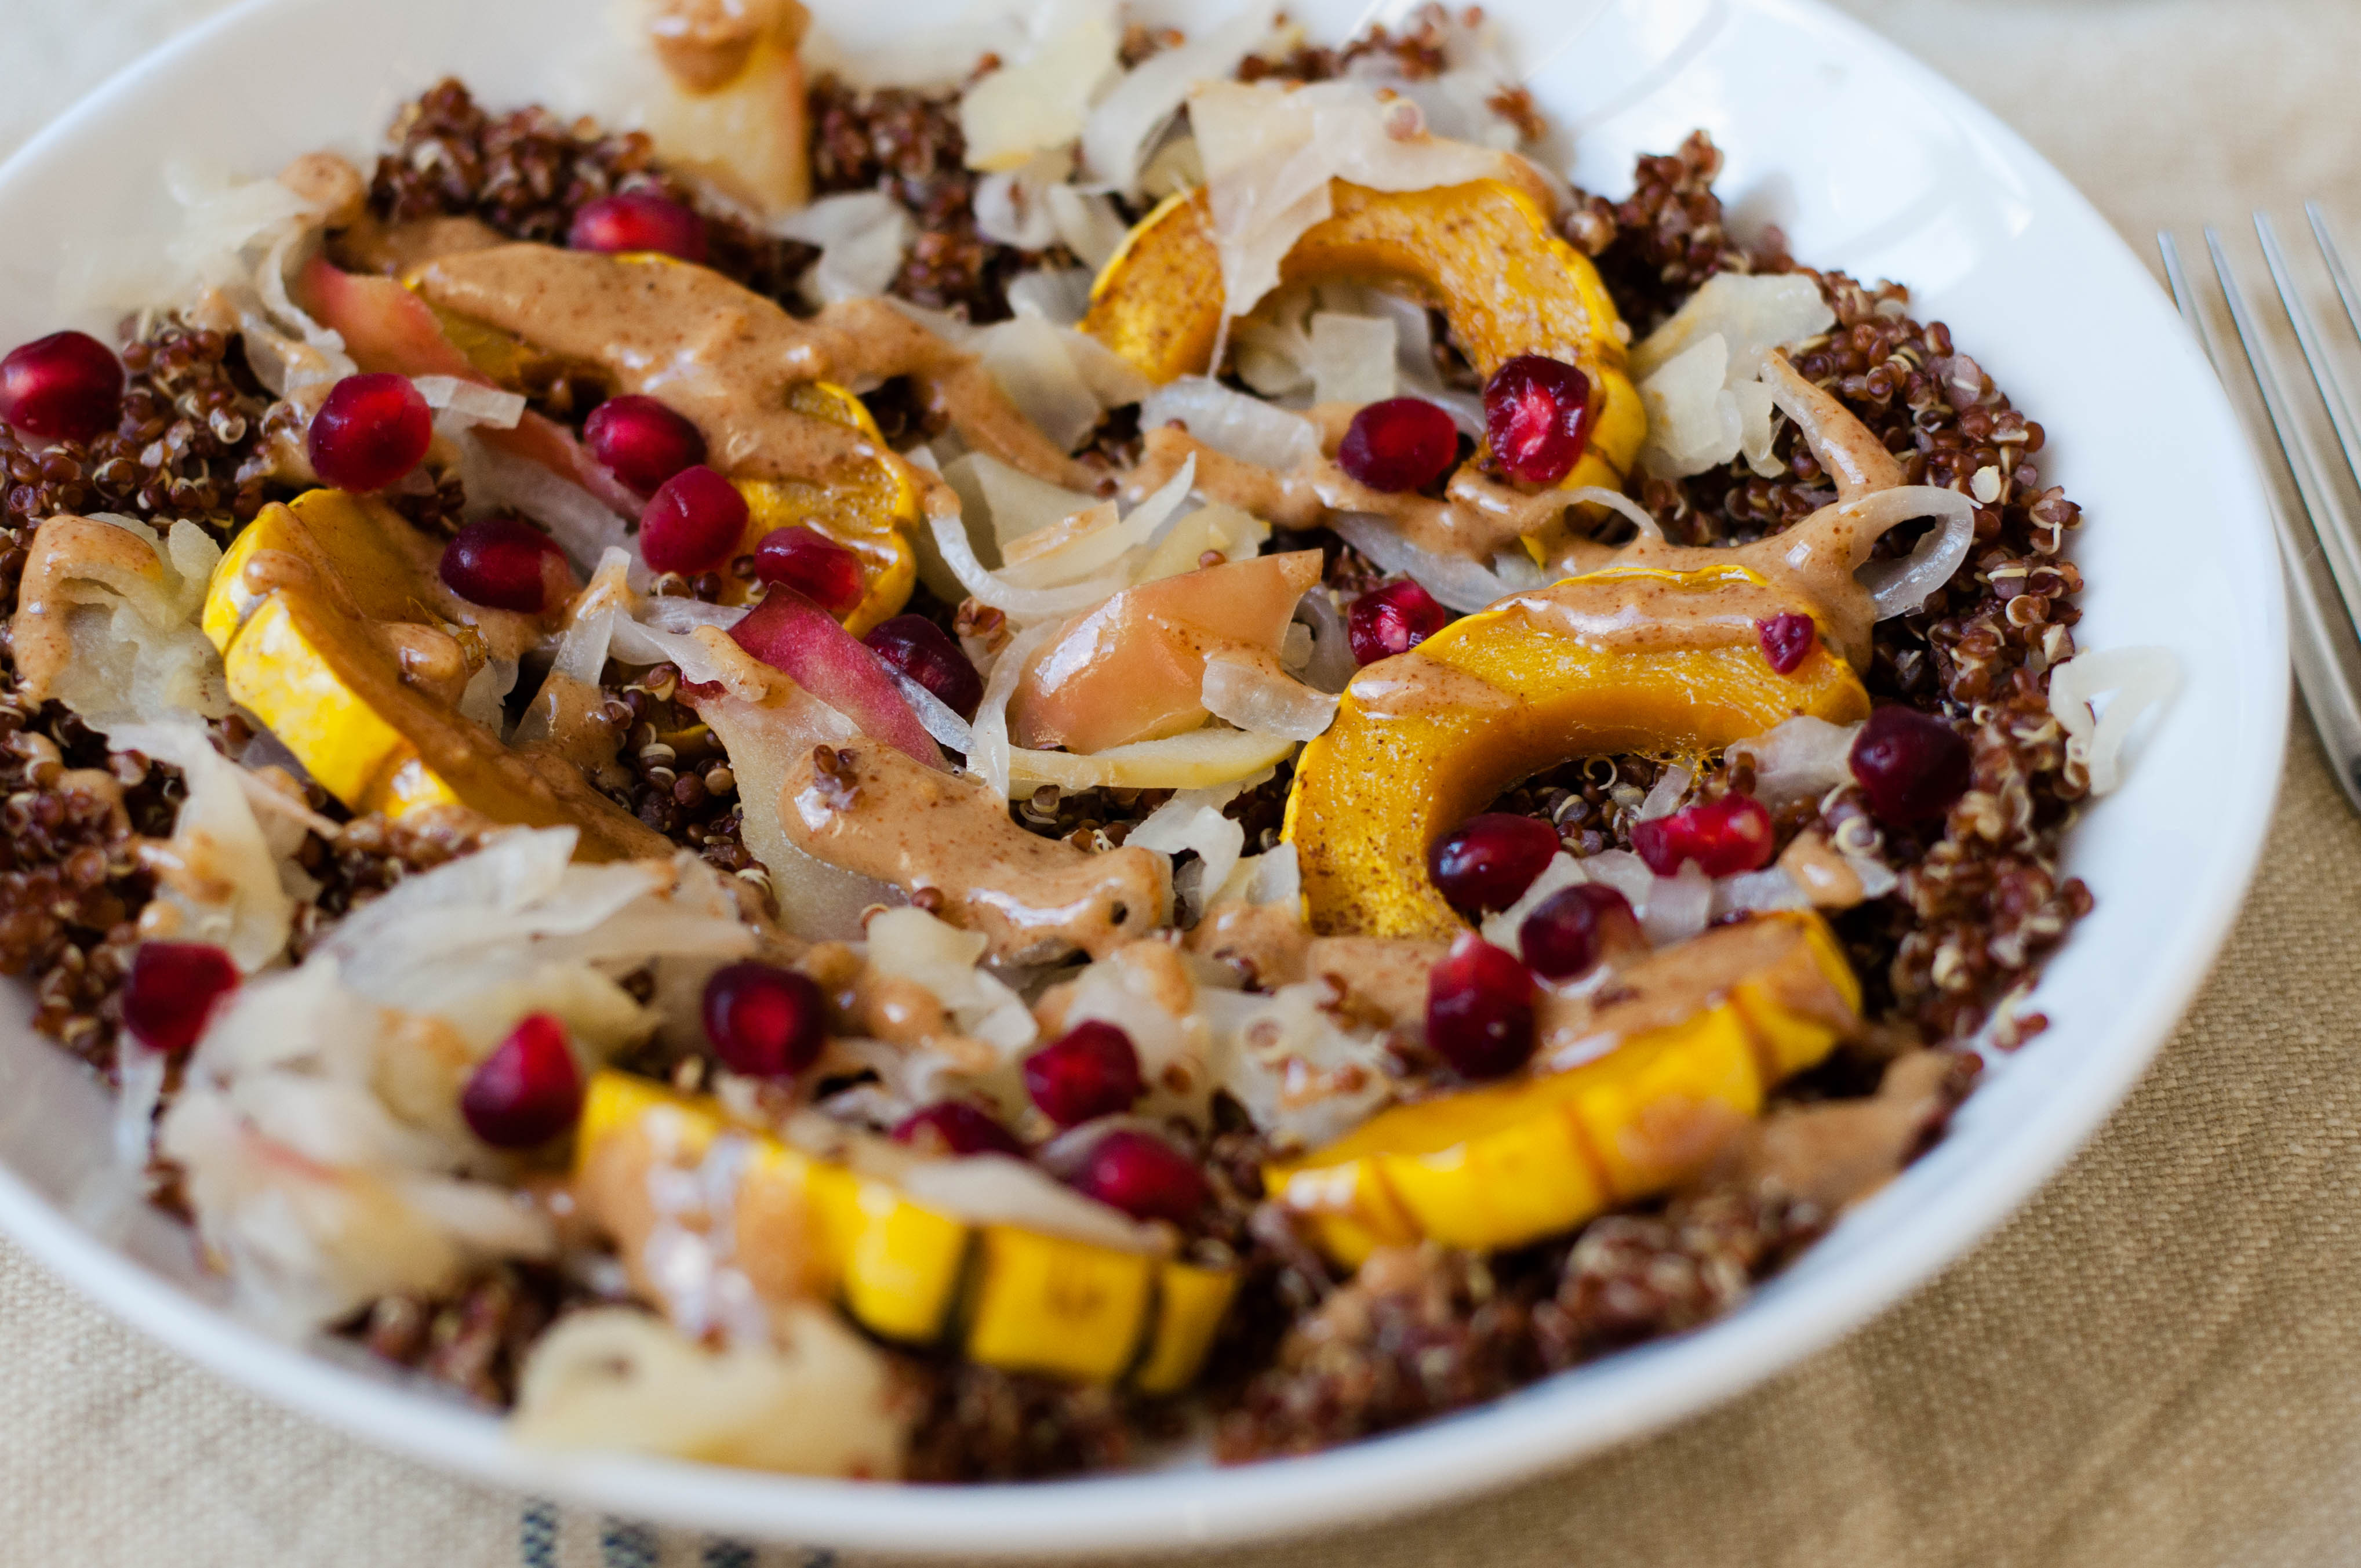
(329,633)
(1002,1294)
(1502,1166)
(1425,739)
(869,512)
(1482,253)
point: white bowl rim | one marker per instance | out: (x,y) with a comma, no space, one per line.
(1482,1449)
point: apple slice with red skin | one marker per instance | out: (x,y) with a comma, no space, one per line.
(803,642)
(387,328)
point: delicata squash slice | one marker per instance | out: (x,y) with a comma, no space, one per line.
(1699,1032)
(1004,1294)
(1482,253)
(333,632)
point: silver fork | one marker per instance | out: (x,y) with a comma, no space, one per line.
(2316,526)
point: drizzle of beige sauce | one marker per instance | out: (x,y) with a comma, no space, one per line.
(887,817)
(723,357)
(67,549)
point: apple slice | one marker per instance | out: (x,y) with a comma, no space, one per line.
(803,641)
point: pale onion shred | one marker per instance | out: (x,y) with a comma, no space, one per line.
(2141,678)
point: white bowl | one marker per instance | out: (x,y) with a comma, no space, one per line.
(1873,164)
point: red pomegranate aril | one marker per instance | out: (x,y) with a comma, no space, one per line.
(1573,929)
(1142,1175)
(638,220)
(1488,861)
(813,565)
(642,441)
(694,523)
(1479,1009)
(1090,1070)
(64,387)
(956,1127)
(1402,443)
(1723,836)
(500,562)
(926,654)
(1911,765)
(370,431)
(1392,619)
(1537,417)
(764,1021)
(528,1090)
(1787,640)
(171,990)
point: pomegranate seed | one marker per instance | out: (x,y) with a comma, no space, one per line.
(642,441)
(926,654)
(171,991)
(1488,861)
(1479,1009)
(1537,417)
(1392,619)
(764,1021)
(371,430)
(1402,443)
(528,1090)
(638,220)
(64,387)
(1911,765)
(499,561)
(1787,640)
(1145,1177)
(813,565)
(1723,836)
(694,523)
(956,1127)
(1090,1070)
(1574,928)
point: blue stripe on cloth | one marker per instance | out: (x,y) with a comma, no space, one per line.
(627,1545)
(537,1535)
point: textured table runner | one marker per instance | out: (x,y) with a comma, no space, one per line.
(2158,1361)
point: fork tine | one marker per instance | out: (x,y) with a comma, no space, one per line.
(2328,524)
(2321,640)
(2315,355)
(2337,272)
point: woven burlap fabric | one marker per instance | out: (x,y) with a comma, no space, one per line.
(2158,1361)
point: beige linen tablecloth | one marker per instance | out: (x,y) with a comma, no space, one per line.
(2158,1362)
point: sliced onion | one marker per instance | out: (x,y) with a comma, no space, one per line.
(1458,583)
(989,755)
(1801,759)
(1012,208)
(1751,312)
(1027,604)
(863,236)
(1119,129)
(582,525)
(1677,906)
(1667,798)
(1027,357)
(1760,892)
(1058,295)
(1249,691)
(1332,665)
(1232,423)
(1199,759)
(1899,586)
(1043,100)
(943,724)
(1192,820)
(1088,225)
(1011,501)
(1352,358)
(1617,501)
(2141,678)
